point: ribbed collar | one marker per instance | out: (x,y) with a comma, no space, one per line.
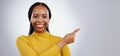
(44,34)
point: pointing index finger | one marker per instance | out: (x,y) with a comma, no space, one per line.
(76,30)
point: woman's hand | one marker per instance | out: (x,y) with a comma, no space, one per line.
(68,38)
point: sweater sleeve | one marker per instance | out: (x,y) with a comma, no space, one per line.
(26,50)
(66,51)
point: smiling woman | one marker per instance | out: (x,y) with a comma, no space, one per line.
(40,18)
(40,42)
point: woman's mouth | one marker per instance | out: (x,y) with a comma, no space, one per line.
(40,25)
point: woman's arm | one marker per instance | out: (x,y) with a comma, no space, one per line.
(68,38)
(26,50)
(65,51)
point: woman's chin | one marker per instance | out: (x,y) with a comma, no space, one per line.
(40,30)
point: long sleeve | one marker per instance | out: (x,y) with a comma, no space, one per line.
(26,50)
(66,51)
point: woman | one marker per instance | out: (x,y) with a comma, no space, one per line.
(40,42)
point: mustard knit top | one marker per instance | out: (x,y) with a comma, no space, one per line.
(43,44)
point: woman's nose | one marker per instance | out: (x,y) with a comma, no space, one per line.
(40,19)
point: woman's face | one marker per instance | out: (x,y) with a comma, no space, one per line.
(40,18)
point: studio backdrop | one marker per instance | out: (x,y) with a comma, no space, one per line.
(98,20)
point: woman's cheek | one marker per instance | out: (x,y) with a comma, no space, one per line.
(47,23)
(33,21)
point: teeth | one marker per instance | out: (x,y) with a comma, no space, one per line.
(40,26)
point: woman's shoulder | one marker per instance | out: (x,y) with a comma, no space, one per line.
(56,37)
(22,38)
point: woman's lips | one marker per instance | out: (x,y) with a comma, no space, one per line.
(40,26)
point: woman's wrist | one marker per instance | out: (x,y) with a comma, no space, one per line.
(61,44)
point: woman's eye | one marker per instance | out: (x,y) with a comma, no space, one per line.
(44,16)
(35,16)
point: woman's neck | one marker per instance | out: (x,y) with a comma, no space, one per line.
(40,31)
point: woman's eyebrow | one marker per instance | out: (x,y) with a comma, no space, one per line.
(35,13)
(44,14)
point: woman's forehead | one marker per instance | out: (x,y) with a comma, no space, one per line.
(40,10)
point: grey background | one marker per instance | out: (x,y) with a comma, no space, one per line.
(99,21)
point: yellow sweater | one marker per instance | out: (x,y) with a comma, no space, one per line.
(40,45)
